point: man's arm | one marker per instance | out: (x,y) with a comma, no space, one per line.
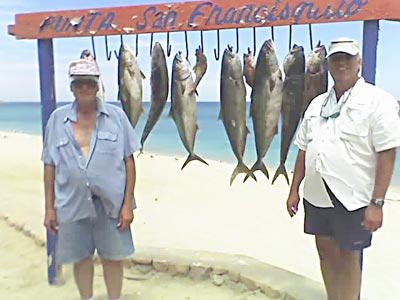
(373,214)
(50,219)
(126,213)
(293,200)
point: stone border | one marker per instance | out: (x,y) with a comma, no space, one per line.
(220,268)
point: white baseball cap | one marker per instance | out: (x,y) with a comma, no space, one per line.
(345,45)
(83,67)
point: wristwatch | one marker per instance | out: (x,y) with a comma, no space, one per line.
(378,202)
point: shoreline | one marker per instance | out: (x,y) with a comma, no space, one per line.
(393,193)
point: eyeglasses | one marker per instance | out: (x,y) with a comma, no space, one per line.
(337,113)
(91,84)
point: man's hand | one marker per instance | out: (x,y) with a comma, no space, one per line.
(125,217)
(373,218)
(292,203)
(50,221)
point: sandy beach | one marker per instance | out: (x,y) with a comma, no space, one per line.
(193,209)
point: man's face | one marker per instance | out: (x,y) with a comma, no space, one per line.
(84,88)
(343,66)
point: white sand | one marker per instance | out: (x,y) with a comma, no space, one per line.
(196,209)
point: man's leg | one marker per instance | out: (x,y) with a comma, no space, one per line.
(83,274)
(329,256)
(350,274)
(113,276)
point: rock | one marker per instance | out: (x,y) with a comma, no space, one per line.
(160,265)
(234,275)
(199,272)
(218,280)
(178,269)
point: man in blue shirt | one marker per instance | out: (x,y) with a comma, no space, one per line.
(89,177)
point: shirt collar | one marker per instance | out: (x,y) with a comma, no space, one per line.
(72,114)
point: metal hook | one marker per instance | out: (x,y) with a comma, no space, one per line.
(93,48)
(272,33)
(187,45)
(137,45)
(108,53)
(169,47)
(216,54)
(201,40)
(290,37)
(151,44)
(122,42)
(254,41)
(237,40)
(311,39)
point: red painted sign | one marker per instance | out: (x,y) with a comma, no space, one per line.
(201,15)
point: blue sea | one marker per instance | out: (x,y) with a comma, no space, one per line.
(211,141)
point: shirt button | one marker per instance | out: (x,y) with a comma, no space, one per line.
(90,198)
(87,184)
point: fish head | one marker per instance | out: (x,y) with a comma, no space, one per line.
(157,54)
(231,62)
(316,61)
(268,56)
(249,60)
(126,54)
(85,54)
(181,66)
(294,62)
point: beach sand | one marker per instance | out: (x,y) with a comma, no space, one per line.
(193,209)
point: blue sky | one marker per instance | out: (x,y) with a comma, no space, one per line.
(19,78)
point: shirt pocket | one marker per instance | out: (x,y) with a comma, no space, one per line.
(312,127)
(106,141)
(355,126)
(64,151)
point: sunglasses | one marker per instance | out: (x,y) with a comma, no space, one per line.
(335,114)
(91,84)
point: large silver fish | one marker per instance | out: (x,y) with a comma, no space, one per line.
(183,105)
(130,84)
(316,76)
(293,89)
(266,100)
(233,107)
(86,54)
(159,83)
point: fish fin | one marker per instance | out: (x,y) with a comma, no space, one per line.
(197,94)
(240,168)
(247,130)
(193,157)
(142,74)
(281,170)
(197,127)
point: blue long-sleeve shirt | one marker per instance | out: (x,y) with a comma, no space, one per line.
(101,174)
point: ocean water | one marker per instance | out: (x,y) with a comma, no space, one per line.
(211,141)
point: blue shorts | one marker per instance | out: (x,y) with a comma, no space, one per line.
(343,226)
(78,240)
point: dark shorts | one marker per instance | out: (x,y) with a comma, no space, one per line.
(343,226)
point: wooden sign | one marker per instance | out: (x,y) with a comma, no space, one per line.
(199,15)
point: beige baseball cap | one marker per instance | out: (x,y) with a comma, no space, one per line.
(83,69)
(345,45)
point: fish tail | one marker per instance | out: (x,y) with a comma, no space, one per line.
(258,166)
(281,170)
(140,153)
(241,168)
(193,157)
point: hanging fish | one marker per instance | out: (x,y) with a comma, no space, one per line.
(183,105)
(266,100)
(199,69)
(292,101)
(233,107)
(130,84)
(316,76)
(159,83)
(249,67)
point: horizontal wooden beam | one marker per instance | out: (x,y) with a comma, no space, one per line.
(199,15)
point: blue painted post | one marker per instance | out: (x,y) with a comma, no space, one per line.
(370,45)
(48,104)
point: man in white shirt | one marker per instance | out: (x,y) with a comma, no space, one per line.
(347,147)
